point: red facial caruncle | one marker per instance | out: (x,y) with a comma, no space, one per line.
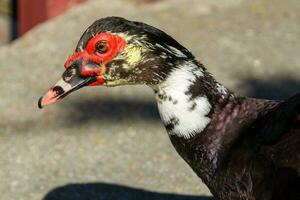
(110,45)
(86,66)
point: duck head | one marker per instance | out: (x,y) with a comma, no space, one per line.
(114,51)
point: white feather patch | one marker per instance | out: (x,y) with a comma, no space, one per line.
(176,52)
(172,50)
(222,90)
(190,114)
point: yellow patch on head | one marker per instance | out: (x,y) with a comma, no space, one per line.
(133,54)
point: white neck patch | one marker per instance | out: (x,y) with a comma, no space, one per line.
(187,116)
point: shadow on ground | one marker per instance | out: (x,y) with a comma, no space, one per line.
(276,88)
(107,191)
(80,112)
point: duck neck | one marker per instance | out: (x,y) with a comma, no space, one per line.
(187,98)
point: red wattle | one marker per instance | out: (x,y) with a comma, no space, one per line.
(100,81)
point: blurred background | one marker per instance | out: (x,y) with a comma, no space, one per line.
(102,143)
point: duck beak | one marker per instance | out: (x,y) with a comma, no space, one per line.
(69,82)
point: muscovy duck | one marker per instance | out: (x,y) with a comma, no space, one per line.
(241,147)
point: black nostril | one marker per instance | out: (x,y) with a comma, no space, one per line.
(68,74)
(58,90)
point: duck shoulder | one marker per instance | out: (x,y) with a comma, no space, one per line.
(279,133)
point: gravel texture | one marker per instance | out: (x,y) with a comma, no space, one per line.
(109,143)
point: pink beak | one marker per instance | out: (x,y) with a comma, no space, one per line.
(69,82)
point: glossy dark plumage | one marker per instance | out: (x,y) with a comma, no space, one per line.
(251,154)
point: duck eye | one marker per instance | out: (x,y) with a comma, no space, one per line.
(101,47)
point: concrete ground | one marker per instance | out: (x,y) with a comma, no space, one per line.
(109,143)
